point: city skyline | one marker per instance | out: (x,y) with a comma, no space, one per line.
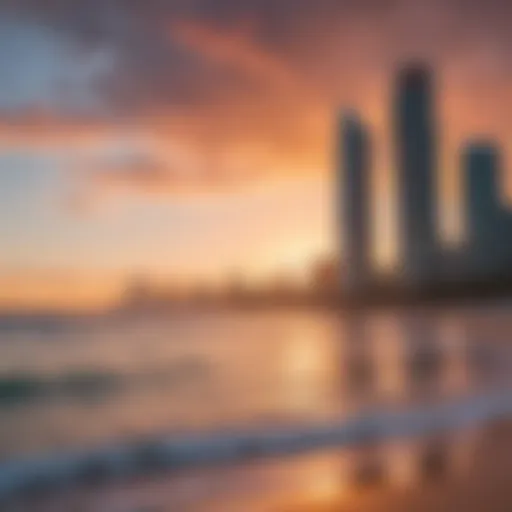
(145,139)
(426,267)
(424,262)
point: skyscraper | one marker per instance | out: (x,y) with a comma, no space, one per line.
(483,207)
(416,163)
(354,189)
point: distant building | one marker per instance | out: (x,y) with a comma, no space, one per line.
(326,276)
(480,264)
(139,292)
(354,190)
(480,162)
(489,223)
(415,134)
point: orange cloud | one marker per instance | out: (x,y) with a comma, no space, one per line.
(234,50)
(57,289)
(35,129)
(247,135)
(148,174)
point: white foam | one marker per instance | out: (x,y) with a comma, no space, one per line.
(190,451)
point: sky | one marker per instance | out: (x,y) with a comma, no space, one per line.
(190,139)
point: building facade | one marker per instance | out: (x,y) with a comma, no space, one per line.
(354,189)
(415,139)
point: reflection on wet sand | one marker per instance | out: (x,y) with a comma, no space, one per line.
(387,359)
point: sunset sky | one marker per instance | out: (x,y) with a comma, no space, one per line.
(188,139)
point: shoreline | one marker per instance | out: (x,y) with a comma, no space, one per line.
(164,455)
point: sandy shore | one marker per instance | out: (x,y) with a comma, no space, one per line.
(485,487)
(318,482)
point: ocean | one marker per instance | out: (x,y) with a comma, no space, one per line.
(207,388)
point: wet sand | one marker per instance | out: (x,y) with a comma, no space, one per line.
(316,482)
(485,487)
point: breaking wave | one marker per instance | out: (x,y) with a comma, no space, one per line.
(167,454)
(22,388)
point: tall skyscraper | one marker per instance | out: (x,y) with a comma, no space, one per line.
(481,161)
(354,189)
(415,134)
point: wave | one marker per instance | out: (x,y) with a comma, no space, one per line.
(22,388)
(16,389)
(166,454)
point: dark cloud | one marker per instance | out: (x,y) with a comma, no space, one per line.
(326,42)
(262,78)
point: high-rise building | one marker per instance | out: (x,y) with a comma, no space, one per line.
(354,189)
(481,161)
(415,134)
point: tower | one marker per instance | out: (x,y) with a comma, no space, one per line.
(480,162)
(353,173)
(416,166)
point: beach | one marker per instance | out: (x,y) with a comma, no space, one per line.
(268,412)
